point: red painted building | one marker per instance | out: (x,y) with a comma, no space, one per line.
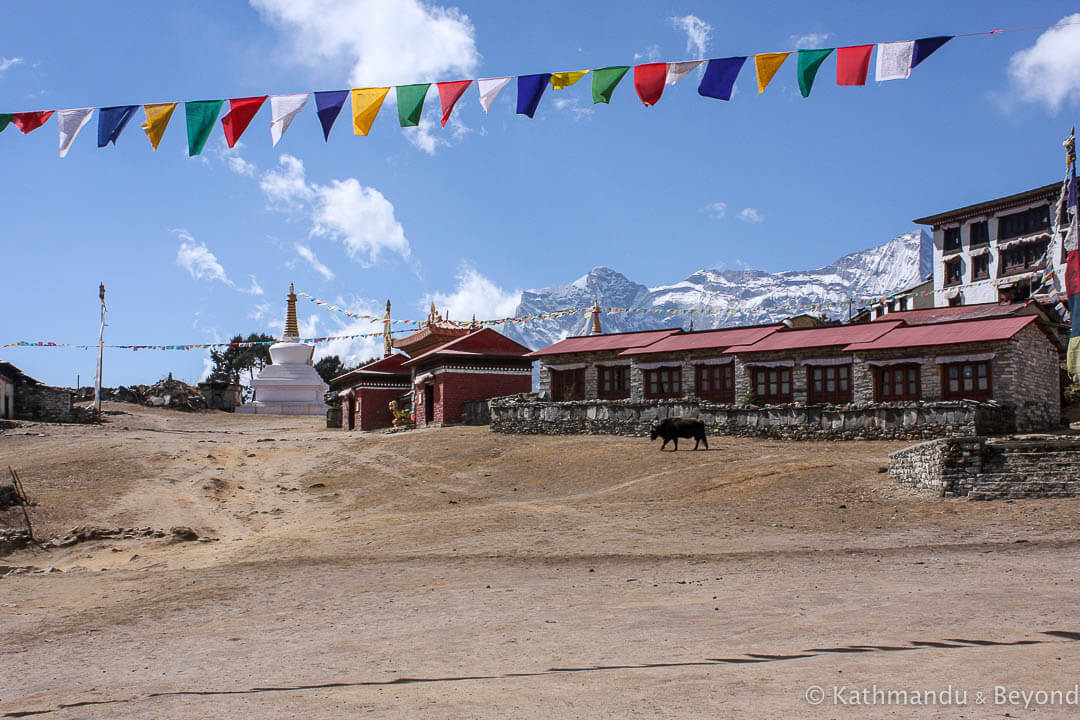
(365,404)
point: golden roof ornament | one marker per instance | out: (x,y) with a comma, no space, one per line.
(596,318)
(1070,148)
(292,330)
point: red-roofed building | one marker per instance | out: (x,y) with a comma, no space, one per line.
(369,390)
(972,312)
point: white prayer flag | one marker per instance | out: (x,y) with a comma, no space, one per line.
(894,60)
(677,70)
(489,88)
(283,108)
(71,122)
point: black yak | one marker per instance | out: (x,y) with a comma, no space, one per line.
(675,428)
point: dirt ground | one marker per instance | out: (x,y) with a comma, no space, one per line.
(456,573)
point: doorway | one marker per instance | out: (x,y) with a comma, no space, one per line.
(429,404)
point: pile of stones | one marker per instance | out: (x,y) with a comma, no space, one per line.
(168,392)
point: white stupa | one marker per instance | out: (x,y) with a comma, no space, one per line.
(289,385)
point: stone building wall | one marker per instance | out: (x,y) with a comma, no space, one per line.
(525,414)
(983,468)
(45,404)
(1034,364)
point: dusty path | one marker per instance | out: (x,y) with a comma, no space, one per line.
(457,573)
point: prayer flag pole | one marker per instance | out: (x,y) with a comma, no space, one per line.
(100,350)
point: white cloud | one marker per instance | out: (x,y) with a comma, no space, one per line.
(474,295)
(751,215)
(1049,71)
(357,215)
(202,264)
(305,252)
(697,34)
(240,166)
(809,40)
(718,210)
(8,63)
(422,136)
(573,106)
(382,43)
(260,310)
(651,54)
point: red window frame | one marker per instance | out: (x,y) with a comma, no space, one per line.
(663,382)
(613,382)
(971,380)
(567,385)
(895,383)
(715,382)
(772,384)
(828,384)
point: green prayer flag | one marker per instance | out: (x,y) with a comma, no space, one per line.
(201,117)
(5,118)
(410,102)
(809,62)
(604,81)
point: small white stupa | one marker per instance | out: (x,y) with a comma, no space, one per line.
(289,385)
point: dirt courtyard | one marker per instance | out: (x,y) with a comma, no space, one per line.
(457,573)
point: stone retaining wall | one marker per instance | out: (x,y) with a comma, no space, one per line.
(525,414)
(983,468)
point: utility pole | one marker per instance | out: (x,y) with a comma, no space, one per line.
(100,350)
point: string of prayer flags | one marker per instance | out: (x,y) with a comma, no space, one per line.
(562,80)
(766,65)
(410,103)
(157,119)
(924,47)
(604,81)
(449,94)
(530,90)
(677,70)
(201,117)
(111,122)
(30,121)
(852,64)
(719,77)
(328,106)
(241,111)
(283,108)
(649,81)
(489,89)
(70,123)
(5,118)
(365,106)
(809,62)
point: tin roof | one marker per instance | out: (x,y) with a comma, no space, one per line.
(385,367)
(965,331)
(958,312)
(817,337)
(705,340)
(596,343)
(477,345)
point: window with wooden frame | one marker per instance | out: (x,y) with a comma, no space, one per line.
(980,266)
(952,240)
(967,381)
(716,383)
(829,384)
(663,382)
(772,384)
(1025,222)
(568,385)
(897,382)
(979,233)
(954,271)
(613,382)
(1023,257)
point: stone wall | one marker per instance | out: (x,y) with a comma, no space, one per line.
(44,404)
(525,414)
(983,468)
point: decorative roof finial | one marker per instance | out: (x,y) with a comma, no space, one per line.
(387,345)
(1070,149)
(596,318)
(292,330)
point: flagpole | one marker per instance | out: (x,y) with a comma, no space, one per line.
(100,350)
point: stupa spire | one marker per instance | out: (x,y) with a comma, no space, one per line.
(596,318)
(387,346)
(292,330)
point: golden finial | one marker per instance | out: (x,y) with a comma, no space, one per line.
(1070,148)
(292,330)
(596,318)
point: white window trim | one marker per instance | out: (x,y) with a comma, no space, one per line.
(715,361)
(566,366)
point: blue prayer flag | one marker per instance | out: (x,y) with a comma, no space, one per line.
(328,106)
(719,77)
(111,122)
(530,90)
(925,46)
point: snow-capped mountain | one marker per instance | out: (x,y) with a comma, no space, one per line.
(744,297)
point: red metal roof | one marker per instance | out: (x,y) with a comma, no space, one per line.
(817,337)
(705,340)
(595,343)
(959,312)
(390,365)
(966,331)
(484,343)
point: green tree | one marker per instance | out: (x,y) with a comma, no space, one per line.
(330,367)
(234,360)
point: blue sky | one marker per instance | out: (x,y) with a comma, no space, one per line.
(195,250)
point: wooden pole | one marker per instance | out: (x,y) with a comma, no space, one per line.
(100,350)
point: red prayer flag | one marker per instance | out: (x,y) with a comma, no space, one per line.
(28,121)
(852,64)
(649,81)
(241,111)
(1072,273)
(449,92)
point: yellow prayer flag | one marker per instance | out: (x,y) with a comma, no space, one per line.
(157,119)
(365,106)
(767,64)
(562,80)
